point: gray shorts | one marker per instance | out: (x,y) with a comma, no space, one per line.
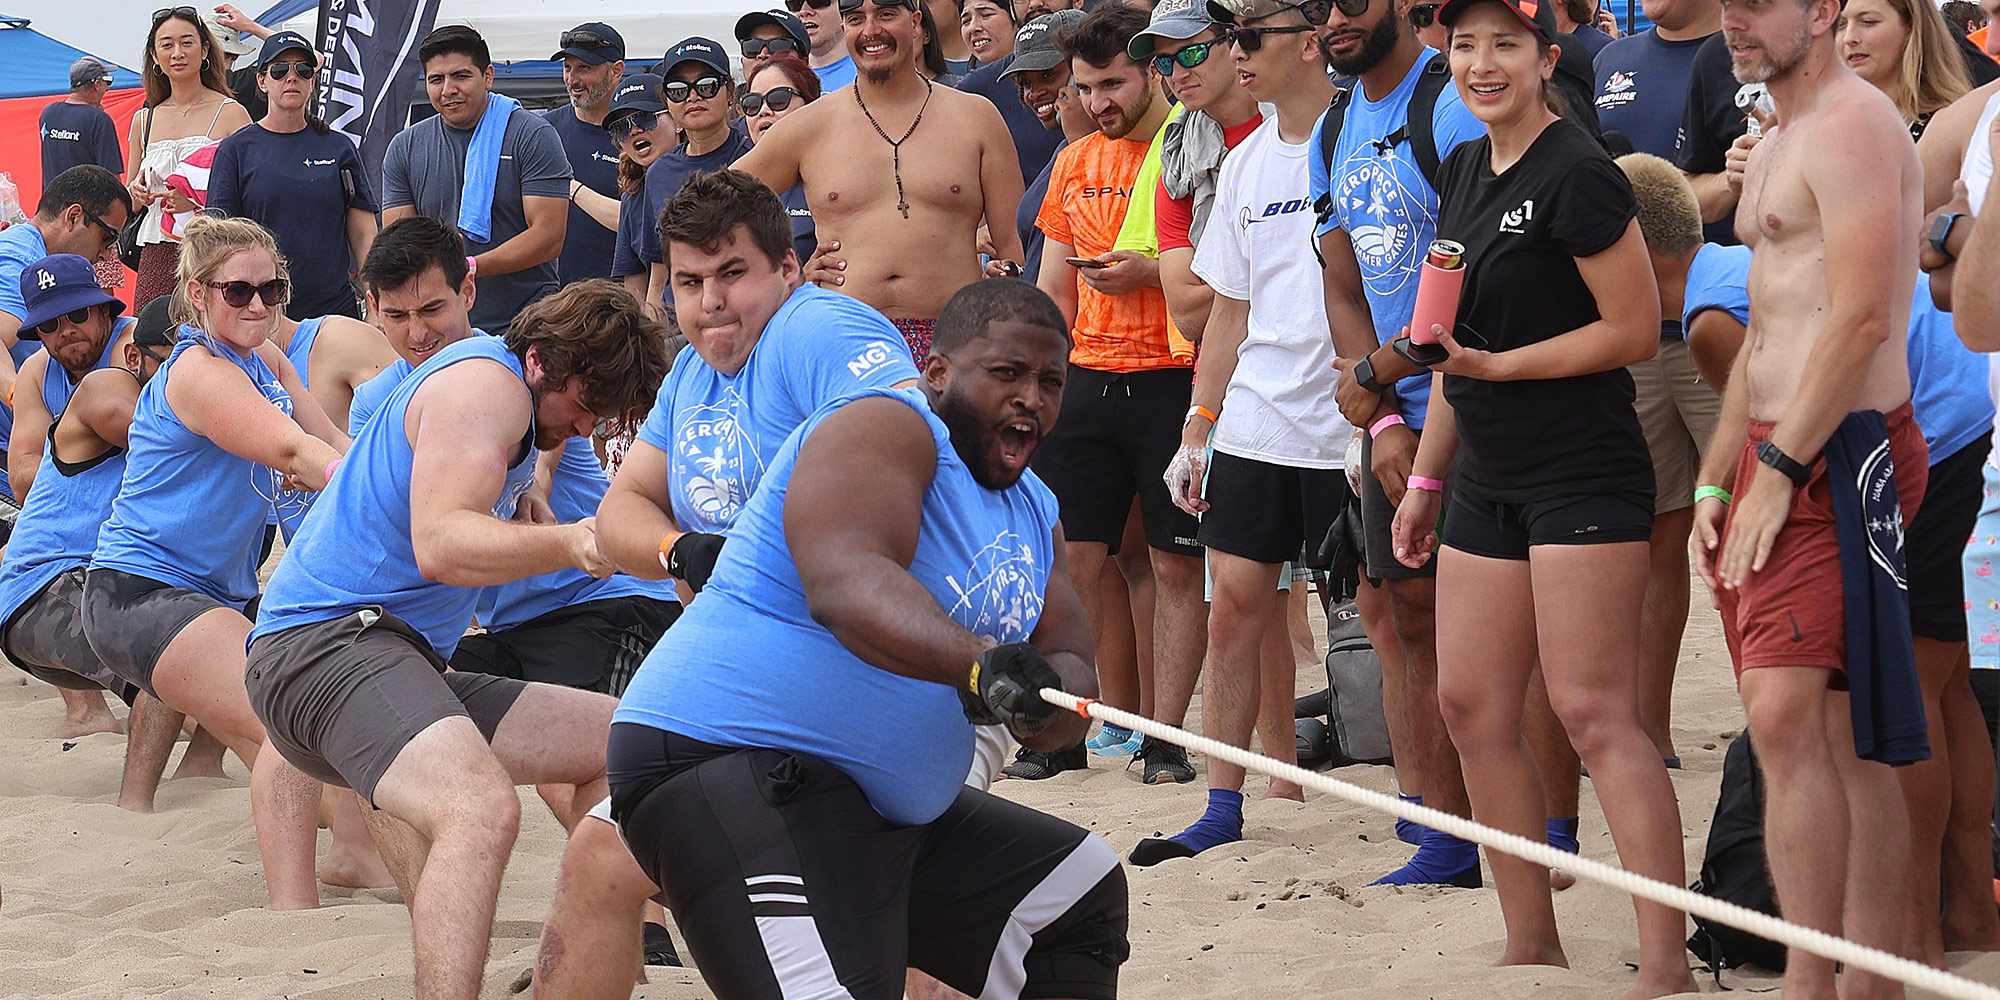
(1378,520)
(130,620)
(45,638)
(341,698)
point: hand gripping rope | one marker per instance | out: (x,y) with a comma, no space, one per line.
(1791,935)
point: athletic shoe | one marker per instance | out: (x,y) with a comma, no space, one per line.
(1126,749)
(1108,735)
(1034,765)
(660,947)
(1164,763)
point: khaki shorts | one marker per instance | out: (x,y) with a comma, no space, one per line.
(45,638)
(341,698)
(1678,411)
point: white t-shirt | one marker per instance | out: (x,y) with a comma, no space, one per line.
(1976,170)
(1279,407)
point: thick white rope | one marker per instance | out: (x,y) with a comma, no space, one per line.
(1855,956)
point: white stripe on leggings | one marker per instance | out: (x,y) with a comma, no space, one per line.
(798,958)
(1085,866)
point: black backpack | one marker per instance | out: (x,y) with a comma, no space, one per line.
(1419,130)
(1734,868)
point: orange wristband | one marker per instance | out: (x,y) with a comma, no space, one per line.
(667,544)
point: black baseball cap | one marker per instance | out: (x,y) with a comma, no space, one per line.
(636,92)
(1538,16)
(1035,44)
(593,42)
(282,42)
(706,51)
(780,17)
(155,326)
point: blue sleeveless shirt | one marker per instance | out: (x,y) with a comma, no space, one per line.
(747,666)
(355,551)
(56,384)
(189,513)
(289,508)
(57,529)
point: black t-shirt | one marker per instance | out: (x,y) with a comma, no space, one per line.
(299,185)
(593,159)
(75,134)
(1710,123)
(1522,231)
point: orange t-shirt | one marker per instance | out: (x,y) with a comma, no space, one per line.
(1089,189)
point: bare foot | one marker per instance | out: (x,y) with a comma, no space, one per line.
(143,806)
(1648,990)
(1550,954)
(85,713)
(203,757)
(345,868)
(1560,880)
(1285,790)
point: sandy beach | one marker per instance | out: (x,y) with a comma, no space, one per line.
(101,903)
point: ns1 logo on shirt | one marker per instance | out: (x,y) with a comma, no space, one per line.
(1517,220)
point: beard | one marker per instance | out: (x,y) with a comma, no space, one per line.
(1773,62)
(972,438)
(1129,118)
(594,97)
(1375,47)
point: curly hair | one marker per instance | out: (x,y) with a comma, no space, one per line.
(596,332)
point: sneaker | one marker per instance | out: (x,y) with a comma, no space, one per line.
(1128,748)
(1164,762)
(660,947)
(1034,765)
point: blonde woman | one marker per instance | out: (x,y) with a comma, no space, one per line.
(1905,50)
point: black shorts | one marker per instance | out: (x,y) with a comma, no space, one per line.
(787,883)
(596,645)
(1118,432)
(1268,513)
(1934,542)
(1500,530)
(1378,521)
(130,620)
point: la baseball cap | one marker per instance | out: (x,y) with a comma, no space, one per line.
(86,71)
(282,42)
(1538,16)
(780,17)
(1174,20)
(1035,44)
(706,51)
(593,42)
(58,284)
(155,326)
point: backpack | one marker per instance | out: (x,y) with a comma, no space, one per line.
(1733,868)
(1359,734)
(1420,131)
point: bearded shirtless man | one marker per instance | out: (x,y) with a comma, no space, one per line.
(899,174)
(1832,200)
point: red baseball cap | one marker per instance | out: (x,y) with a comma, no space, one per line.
(1538,16)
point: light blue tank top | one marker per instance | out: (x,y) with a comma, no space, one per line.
(289,509)
(191,514)
(57,529)
(746,665)
(355,550)
(56,385)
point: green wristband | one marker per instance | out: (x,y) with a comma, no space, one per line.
(1705,492)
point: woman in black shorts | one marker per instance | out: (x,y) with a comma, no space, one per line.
(1544,547)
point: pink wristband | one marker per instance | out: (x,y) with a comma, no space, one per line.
(330,466)
(472,267)
(1425,483)
(1375,429)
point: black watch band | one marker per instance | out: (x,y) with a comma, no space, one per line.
(1775,457)
(1364,375)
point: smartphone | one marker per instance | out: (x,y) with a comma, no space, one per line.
(1091,262)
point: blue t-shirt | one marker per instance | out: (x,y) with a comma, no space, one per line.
(665,177)
(593,158)
(1947,381)
(1386,207)
(720,431)
(299,185)
(1642,89)
(804,237)
(1717,279)
(1034,145)
(75,134)
(748,666)
(354,550)
(19,246)
(836,74)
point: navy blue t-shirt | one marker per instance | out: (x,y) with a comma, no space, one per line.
(804,238)
(1034,145)
(1642,88)
(665,177)
(593,158)
(299,185)
(1030,210)
(74,134)
(1592,38)
(632,219)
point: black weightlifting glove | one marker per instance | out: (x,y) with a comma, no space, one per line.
(692,558)
(1005,687)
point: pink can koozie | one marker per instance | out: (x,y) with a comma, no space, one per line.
(1437,291)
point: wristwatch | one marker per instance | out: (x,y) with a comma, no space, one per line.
(1940,233)
(1364,374)
(1775,457)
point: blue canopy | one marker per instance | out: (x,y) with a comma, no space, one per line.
(38,65)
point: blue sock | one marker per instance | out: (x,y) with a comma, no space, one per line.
(1406,831)
(1221,824)
(1562,834)
(1442,859)
(1115,734)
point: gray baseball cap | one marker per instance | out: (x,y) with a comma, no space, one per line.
(86,71)
(1174,20)
(1035,44)
(1232,11)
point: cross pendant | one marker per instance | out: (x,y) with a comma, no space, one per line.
(905,207)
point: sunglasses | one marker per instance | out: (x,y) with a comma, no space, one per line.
(637,121)
(795,5)
(754,47)
(280,70)
(147,351)
(584,39)
(99,223)
(237,293)
(1187,58)
(1424,15)
(1252,39)
(779,98)
(678,91)
(76,317)
(184,13)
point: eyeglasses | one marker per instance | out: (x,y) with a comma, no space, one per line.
(99,223)
(637,121)
(184,13)
(1252,39)
(584,39)
(754,47)
(280,70)
(795,5)
(1187,58)
(678,91)
(237,293)
(1424,15)
(76,317)
(779,98)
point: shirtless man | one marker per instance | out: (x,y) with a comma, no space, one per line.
(1836,246)
(910,224)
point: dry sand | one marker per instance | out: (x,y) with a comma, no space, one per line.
(103,903)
